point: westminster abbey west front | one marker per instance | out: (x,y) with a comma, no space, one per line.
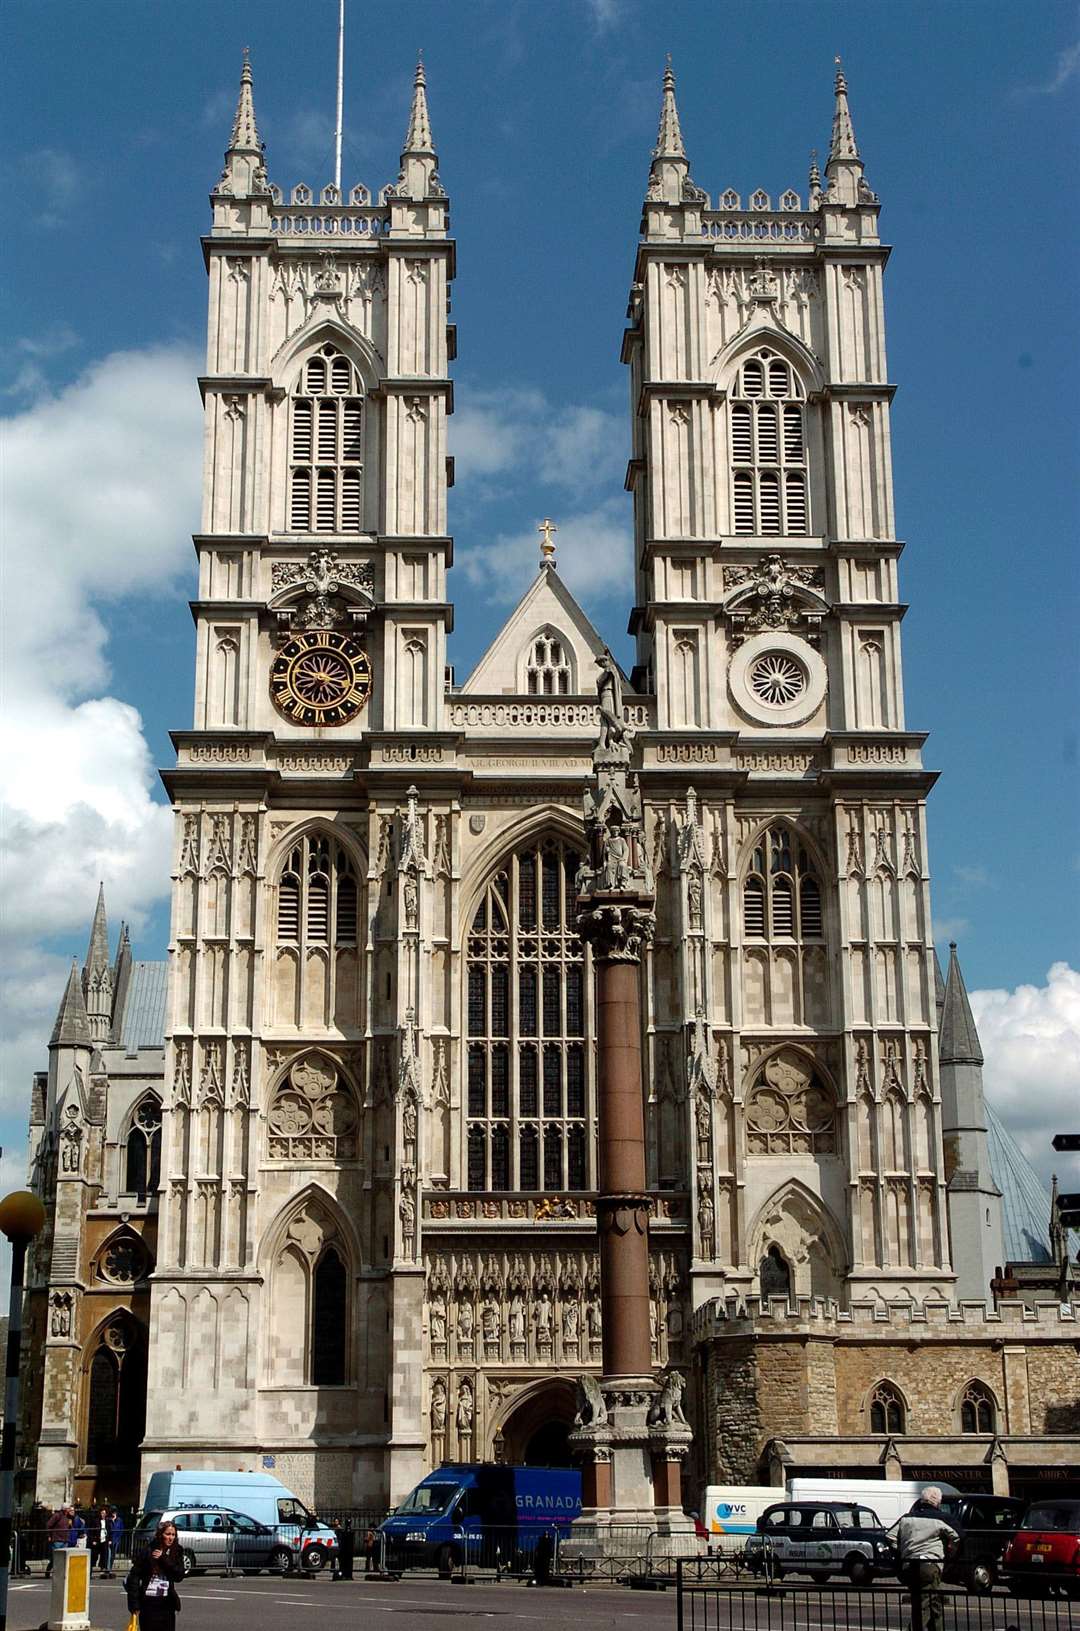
(327,1204)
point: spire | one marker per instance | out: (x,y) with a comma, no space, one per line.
(245,134)
(939,987)
(244,173)
(843,144)
(419,177)
(669,173)
(958,1042)
(97,952)
(72,1028)
(418,135)
(669,142)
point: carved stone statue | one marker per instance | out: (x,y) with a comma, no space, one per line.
(592,1411)
(489,1322)
(465,1322)
(464,1416)
(517,1320)
(666,1410)
(437,1322)
(543,1319)
(438,1406)
(615,737)
(570,1323)
(615,871)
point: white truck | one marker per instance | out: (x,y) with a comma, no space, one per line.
(732,1511)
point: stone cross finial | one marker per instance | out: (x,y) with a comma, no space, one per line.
(547,548)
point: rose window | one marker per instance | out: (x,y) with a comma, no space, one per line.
(777,679)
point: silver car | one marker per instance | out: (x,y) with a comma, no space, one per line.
(213,1537)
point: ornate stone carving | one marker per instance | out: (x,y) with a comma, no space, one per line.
(617,933)
(789,1111)
(189,846)
(61,1306)
(321,591)
(71,1135)
(592,1410)
(312,1116)
(218,856)
(666,1409)
(773,595)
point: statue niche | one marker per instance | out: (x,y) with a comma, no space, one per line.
(313,1114)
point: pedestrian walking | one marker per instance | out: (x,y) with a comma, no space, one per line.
(543,1552)
(346,1549)
(371,1551)
(99,1541)
(116,1535)
(923,1541)
(56,1533)
(77,1530)
(152,1583)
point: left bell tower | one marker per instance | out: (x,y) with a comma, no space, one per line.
(321,626)
(326,398)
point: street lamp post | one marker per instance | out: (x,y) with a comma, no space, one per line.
(21,1218)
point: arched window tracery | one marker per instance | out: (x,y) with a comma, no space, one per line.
(142,1150)
(116,1394)
(887,1412)
(316,915)
(790,1110)
(781,892)
(529,1096)
(548,671)
(768,449)
(978,1409)
(326,446)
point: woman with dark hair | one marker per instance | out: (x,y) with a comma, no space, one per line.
(153,1580)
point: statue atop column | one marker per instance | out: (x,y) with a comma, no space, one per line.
(615,882)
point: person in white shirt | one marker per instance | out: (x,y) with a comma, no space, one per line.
(923,1541)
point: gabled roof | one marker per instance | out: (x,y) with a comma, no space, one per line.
(547,603)
(1025,1199)
(142,1024)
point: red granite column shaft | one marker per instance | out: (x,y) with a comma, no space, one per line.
(622,1211)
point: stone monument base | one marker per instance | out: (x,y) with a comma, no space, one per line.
(632,1438)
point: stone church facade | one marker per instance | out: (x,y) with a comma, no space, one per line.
(360,1237)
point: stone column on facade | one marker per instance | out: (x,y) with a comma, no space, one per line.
(630,1430)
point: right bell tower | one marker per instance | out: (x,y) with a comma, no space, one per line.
(767,627)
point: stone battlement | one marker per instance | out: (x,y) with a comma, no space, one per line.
(821,1316)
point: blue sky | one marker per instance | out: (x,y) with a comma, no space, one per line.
(115,114)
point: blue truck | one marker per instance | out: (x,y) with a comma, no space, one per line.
(480,1513)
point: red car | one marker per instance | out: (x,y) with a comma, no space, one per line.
(1043,1557)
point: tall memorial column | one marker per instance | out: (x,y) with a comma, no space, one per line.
(631,1432)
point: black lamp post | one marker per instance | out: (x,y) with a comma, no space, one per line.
(21,1218)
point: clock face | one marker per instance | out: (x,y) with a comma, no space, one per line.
(320,678)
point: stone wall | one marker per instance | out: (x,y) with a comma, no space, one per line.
(808,1373)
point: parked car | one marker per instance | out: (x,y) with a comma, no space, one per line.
(986,1524)
(1043,1557)
(215,1538)
(259,1494)
(820,1538)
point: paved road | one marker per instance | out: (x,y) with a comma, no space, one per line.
(212,1603)
(263,1604)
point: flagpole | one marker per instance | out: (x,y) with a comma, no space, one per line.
(340,94)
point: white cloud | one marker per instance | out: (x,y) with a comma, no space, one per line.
(1065,68)
(1031,1043)
(577,448)
(57,178)
(593,548)
(100,498)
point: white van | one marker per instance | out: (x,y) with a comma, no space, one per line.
(732,1512)
(890,1498)
(257,1495)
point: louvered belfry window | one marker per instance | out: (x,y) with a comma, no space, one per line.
(768,450)
(529,1094)
(317,895)
(781,892)
(326,446)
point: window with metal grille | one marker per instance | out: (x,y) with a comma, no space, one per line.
(781,893)
(547,666)
(326,446)
(529,1091)
(886,1410)
(317,894)
(768,449)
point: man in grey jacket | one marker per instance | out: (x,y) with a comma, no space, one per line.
(923,1541)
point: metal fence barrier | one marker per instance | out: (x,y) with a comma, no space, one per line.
(708,1604)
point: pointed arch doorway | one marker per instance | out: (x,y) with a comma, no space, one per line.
(537,1428)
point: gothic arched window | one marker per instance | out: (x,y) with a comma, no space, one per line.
(978,1409)
(886,1410)
(781,893)
(768,449)
(529,1081)
(326,446)
(775,1274)
(317,894)
(547,666)
(143,1151)
(116,1395)
(328,1333)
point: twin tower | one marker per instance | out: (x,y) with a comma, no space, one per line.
(369,1242)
